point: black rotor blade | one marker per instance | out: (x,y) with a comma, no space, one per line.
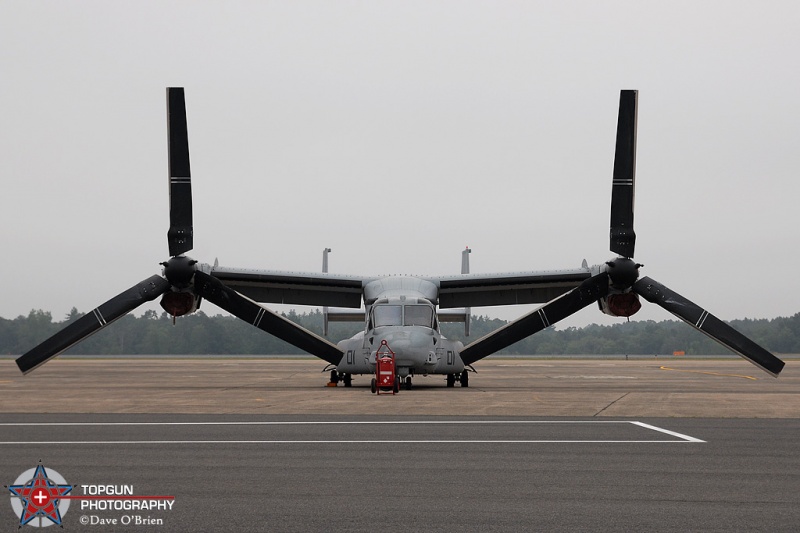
(180,234)
(703,321)
(246,309)
(623,238)
(565,305)
(90,323)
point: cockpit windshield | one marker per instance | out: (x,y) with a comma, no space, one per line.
(387,315)
(418,315)
(405,315)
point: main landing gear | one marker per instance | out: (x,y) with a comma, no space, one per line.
(347,379)
(463,378)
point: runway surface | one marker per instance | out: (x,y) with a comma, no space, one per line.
(537,445)
(663,387)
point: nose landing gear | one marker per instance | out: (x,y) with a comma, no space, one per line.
(462,378)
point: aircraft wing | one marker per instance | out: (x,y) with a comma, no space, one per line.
(514,288)
(301,288)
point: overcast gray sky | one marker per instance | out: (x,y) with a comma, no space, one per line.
(396,133)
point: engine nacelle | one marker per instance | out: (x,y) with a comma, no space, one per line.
(621,304)
(179,303)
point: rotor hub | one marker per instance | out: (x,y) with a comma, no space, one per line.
(179,271)
(623,273)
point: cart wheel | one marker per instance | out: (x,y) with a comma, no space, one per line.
(451,380)
(465,379)
(373,386)
(396,387)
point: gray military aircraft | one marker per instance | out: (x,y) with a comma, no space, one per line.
(401,310)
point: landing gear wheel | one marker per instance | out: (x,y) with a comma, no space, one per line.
(451,380)
(396,388)
(408,383)
(334,377)
(465,379)
(348,380)
(373,386)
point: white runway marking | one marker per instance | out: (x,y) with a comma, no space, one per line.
(679,437)
(668,432)
(322,423)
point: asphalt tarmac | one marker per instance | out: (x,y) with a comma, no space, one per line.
(246,445)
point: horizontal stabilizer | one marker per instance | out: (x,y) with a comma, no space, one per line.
(345,315)
(454,315)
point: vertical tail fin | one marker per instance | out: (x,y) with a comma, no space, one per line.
(465,270)
(325,253)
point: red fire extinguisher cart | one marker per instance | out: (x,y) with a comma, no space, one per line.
(385,379)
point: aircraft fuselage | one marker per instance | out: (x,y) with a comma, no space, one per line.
(410,327)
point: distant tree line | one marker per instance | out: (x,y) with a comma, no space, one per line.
(154,334)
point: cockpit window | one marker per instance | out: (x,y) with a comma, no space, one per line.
(387,315)
(418,315)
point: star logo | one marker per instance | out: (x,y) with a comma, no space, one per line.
(38,493)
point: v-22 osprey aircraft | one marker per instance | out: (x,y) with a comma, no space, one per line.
(404,311)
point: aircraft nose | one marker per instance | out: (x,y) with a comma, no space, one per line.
(410,348)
